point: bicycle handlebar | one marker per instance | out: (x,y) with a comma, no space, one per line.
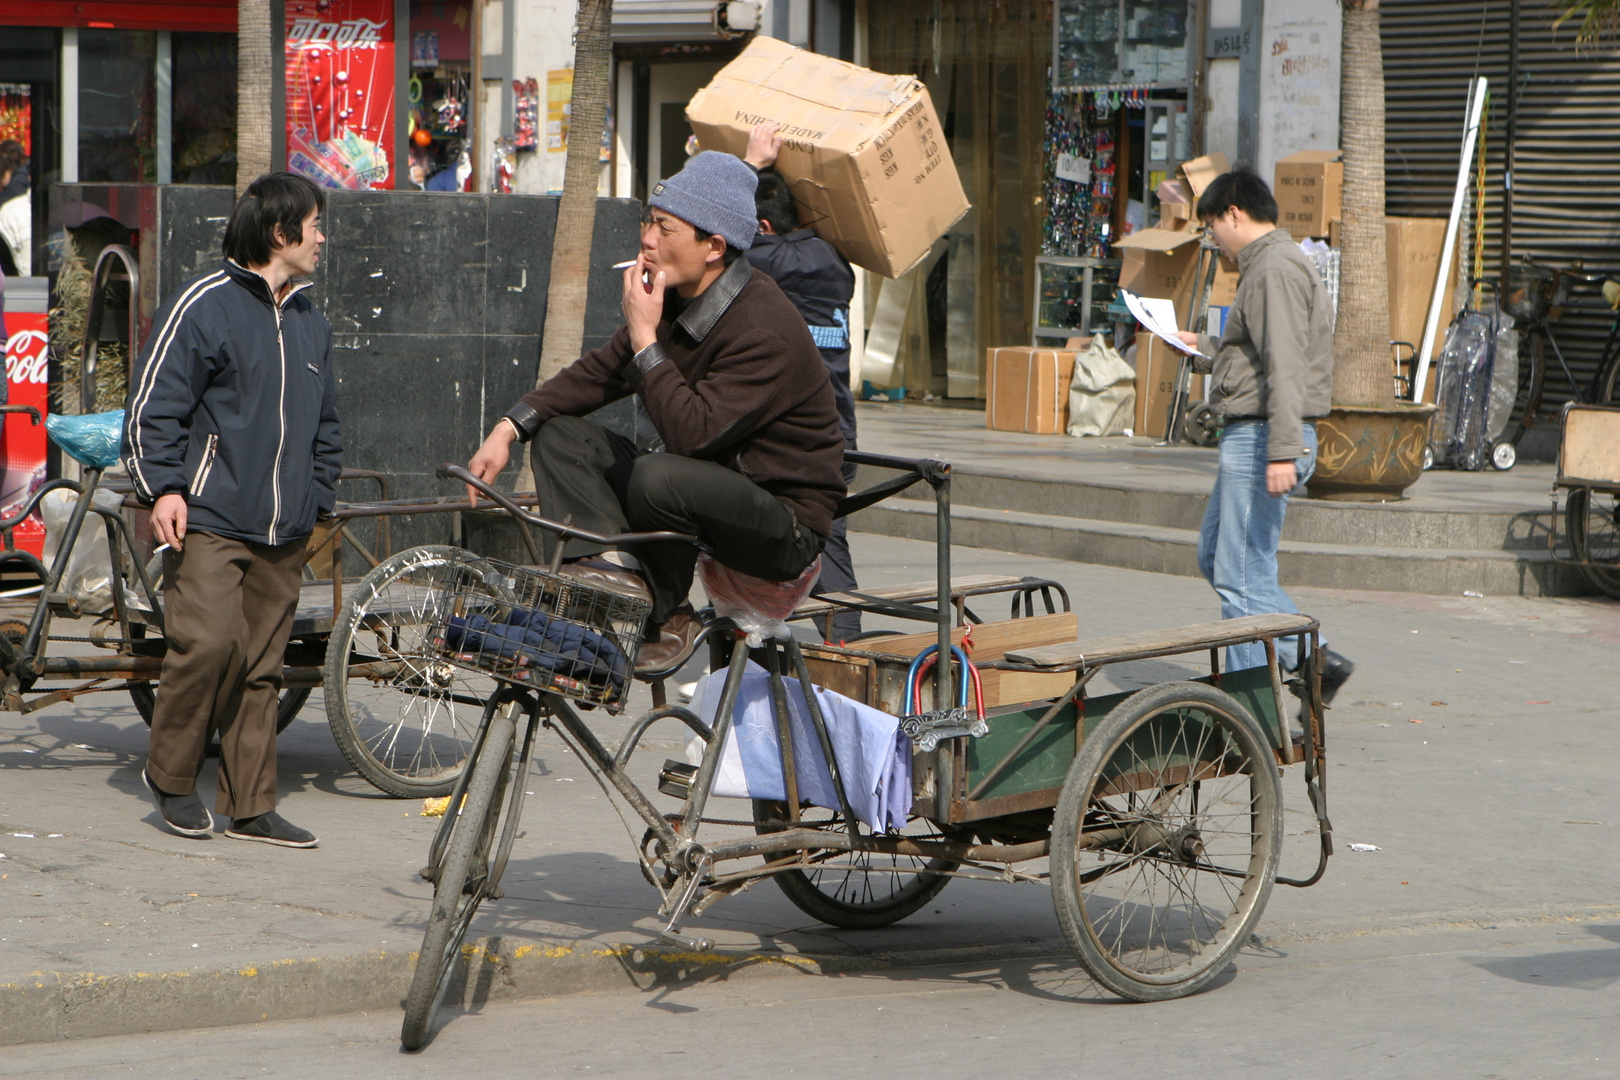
(1562,272)
(566,532)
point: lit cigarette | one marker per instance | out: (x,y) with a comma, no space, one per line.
(624,265)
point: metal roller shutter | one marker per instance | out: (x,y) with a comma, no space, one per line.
(1566,198)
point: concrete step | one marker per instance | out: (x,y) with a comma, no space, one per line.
(1441,570)
(1178,504)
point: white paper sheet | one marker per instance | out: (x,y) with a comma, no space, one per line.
(1159,316)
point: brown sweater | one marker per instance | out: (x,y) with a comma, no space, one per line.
(742,384)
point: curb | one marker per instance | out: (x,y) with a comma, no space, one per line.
(48,1007)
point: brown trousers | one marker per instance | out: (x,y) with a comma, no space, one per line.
(228,609)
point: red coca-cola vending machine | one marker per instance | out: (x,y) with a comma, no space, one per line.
(22,445)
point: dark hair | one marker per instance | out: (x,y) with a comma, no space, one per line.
(1242,189)
(11,155)
(773,202)
(280,198)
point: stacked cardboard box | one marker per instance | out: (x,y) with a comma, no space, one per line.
(1028,389)
(1157,365)
(1160,262)
(1309,187)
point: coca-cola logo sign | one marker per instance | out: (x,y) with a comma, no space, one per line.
(28,357)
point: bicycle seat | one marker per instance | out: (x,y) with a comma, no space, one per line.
(760,608)
(92,440)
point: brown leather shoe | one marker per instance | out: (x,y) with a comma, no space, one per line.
(676,639)
(607,576)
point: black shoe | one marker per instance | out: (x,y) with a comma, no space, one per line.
(1336,671)
(270,828)
(185,814)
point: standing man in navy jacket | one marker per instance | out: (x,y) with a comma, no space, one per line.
(232,436)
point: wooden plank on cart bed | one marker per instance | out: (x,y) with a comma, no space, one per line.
(915,593)
(1143,644)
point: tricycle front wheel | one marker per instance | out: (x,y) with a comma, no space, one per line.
(1166,841)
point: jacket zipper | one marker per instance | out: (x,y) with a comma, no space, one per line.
(281,439)
(205,466)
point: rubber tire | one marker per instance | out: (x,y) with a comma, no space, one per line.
(1078,803)
(1533,374)
(1608,392)
(1504,455)
(1577,521)
(400,773)
(455,899)
(1202,426)
(144,695)
(829,907)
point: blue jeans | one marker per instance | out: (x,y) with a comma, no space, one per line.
(1237,546)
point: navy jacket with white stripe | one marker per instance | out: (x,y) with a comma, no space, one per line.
(234,406)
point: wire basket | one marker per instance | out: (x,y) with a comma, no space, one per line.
(537,629)
(1529,292)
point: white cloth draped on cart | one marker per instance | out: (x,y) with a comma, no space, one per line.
(874,755)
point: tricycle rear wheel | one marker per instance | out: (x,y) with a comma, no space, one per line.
(1166,841)
(859,890)
(1593,521)
(407,730)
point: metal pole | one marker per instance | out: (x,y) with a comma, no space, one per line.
(70,105)
(1476,106)
(1508,147)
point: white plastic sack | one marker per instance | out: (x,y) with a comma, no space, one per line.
(1102,394)
(89,575)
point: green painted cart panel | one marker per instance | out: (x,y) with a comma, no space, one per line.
(1044,763)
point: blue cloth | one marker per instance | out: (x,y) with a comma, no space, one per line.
(1237,545)
(566,648)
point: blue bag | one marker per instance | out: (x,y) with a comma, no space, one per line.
(92,440)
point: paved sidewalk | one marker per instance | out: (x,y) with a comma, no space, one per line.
(1475,748)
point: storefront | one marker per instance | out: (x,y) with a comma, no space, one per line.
(1062,118)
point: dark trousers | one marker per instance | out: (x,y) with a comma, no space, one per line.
(228,609)
(610,486)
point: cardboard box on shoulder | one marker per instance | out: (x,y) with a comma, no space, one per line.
(863,153)
(1308,187)
(1028,389)
(1156,367)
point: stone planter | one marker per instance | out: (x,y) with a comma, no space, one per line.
(1370,454)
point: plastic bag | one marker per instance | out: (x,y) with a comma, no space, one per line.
(760,608)
(92,440)
(1463,396)
(89,574)
(1504,380)
(1102,394)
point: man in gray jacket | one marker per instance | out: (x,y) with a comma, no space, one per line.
(1271,379)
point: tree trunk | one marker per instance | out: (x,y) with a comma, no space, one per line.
(564,332)
(1362,368)
(254,71)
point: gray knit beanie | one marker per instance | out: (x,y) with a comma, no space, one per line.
(715,193)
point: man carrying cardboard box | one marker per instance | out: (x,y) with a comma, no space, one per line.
(1272,378)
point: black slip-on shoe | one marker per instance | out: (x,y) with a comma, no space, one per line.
(270,828)
(1336,671)
(185,814)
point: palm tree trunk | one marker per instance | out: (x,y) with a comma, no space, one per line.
(254,38)
(1362,371)
(564,333)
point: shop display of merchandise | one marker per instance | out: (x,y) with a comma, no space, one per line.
(526,119)
(503,167)
(1079,213)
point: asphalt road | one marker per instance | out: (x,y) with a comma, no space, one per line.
(1502,1003)
(1475,749)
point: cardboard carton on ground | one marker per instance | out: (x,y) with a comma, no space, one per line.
(863,153)
(1159,263)
(1412,255)
(1156,367)
(1028,389)
(1308,187)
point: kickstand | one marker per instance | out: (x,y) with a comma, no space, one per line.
(670,935)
